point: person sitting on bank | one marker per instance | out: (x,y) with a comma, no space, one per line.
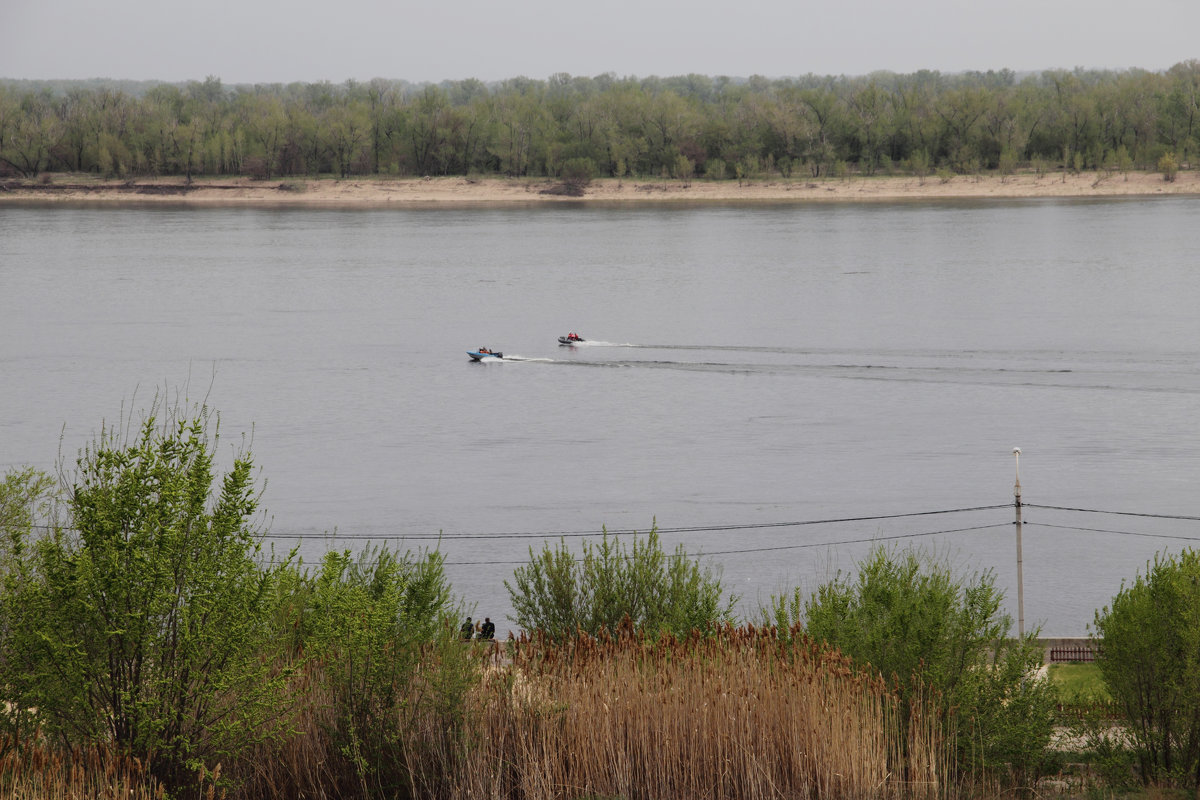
(489,629)
(467,630)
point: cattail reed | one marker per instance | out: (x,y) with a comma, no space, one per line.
(31,770)
(736,715)
(740,714)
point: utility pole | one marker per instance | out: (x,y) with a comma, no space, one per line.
(1020,581)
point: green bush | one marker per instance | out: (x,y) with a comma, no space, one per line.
(659,593)
(380,626)
(1168,165)
(27,498)
(1150,659)
(143,622)
(148,622)
(913,620)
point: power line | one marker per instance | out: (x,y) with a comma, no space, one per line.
(599,531)
(333,536)
(1122,533)
(1116,513)
(767,549)
(627,531)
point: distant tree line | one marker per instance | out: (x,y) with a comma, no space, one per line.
(680,127)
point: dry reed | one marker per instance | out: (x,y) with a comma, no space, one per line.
(34,771)
(738,715)
(741,714)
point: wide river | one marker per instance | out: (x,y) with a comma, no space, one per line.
(754,372)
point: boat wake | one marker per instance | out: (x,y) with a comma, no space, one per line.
(509,359)
(1090,372)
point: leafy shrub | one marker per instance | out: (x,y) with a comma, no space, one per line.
(1150,659)
(379,629)
(26,498)
(149,625)
(143,623)
(558,595)
(1168,165)
(918,624)
(575,175)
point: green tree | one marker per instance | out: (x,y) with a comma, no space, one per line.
(869,112)
(920,165)
(425,130)
(1007,164)
(29,130)
(520,123)
(76,149)
(1149,655)
(685,170)
(671,122)
(917,126)
(1183,108)
(659,593)
(1072,111)
(576,174)
(143,622)
(1168,165)
(381,627)
(263,119)
(961,111)
(1123,161)
(913,620)
(346,130)
(382,104)
(825,110)
(1001,128)
(27,500)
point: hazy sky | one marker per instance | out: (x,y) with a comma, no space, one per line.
(269,41)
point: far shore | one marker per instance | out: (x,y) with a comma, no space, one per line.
(468,192)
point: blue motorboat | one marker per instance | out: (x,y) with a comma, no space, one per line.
(484,352)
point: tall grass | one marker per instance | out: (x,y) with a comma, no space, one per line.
(738,715)
(742,714)
(34,771)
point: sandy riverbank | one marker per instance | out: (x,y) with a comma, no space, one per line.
(459,192)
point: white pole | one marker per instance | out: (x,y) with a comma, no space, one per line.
(1020,580)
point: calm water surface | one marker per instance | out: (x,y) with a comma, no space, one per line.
(751,366)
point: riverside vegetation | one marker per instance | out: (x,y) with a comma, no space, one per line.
(150,648)
(575,128)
